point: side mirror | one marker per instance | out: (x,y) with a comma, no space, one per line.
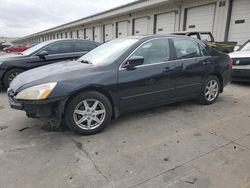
(134,61)
(42,54)
(236,48)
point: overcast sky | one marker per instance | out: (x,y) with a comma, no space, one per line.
(23,17)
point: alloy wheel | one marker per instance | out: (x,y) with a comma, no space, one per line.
(89,114)
(12,76)
(211,90)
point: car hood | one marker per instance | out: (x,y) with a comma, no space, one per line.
(240,54)
(10,57)
(50,73)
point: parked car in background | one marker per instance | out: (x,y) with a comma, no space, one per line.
(121,76)
(241,63)
(208,38)
(17,48)
(2,46)
(42,54)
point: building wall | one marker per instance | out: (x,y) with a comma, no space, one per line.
(180,8)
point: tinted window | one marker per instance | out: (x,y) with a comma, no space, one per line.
(84,46)
(60,47)
(154,51)
(186,48)
(193,35)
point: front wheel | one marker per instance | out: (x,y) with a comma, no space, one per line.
(10,75)
(88,113)
(210,90)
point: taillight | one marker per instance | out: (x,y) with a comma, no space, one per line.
(230,62)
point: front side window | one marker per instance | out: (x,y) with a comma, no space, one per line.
(186,48)
(154,51)
(59,48)
(84,46)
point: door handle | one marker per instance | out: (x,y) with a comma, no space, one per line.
(205,62)
(167,69)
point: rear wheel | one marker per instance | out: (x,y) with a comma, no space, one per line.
(88,113)
(10,75)
(210,90)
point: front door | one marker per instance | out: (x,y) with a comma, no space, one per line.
(151,83)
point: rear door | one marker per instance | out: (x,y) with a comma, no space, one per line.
(192,64)
(83,47)
(151,83)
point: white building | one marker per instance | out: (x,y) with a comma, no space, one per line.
(228,20)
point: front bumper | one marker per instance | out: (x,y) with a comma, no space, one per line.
(46,109)
(241,73)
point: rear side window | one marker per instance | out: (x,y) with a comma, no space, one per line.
(186,49)
(84,46)
(154,51)
(59,48)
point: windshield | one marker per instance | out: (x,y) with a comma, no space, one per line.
(245,47)
(35,48)
(108,52)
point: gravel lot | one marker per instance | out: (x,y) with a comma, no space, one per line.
(179,145)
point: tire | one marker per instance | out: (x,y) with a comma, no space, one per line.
(10,75)
(80,110)
(207,96)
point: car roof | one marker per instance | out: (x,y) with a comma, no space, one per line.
(146,37)
(59,40)
(185,32)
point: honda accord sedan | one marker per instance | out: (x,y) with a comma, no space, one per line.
(42,54)
(121,76)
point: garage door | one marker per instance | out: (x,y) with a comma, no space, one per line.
(108,32)
(239,29)
(141,26)
(200,18)
(88,34)
(165,23)
(74,34)
(80,33)
(97,34)
(122,29)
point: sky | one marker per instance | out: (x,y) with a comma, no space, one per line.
(20,18)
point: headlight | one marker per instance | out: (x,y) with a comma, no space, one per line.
(38,92)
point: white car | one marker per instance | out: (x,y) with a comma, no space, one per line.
(241,62)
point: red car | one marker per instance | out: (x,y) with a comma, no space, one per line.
(17,48)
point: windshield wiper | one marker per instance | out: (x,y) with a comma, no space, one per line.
(85,61)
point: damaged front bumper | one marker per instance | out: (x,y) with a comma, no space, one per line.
(50,110)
